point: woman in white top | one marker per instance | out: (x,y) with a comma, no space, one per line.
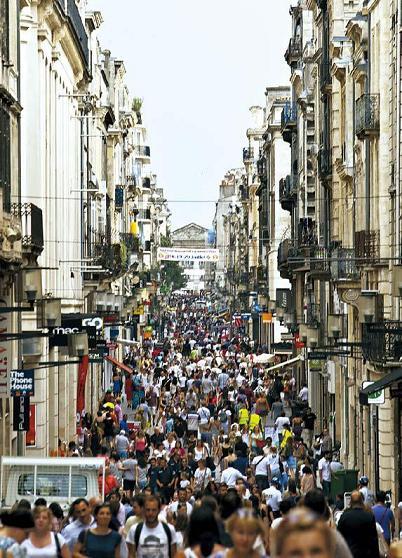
(202,476)
(200,451)
(42,542)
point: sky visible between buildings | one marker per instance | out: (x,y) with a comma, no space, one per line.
(199,65)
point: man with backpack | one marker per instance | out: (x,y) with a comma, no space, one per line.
(152,538)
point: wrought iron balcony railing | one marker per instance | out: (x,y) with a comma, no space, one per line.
(262,168)
(142,150)
(144,214)
(312,314)
(320,263)
(288,120)
(248,154)
(367,116)
(294,50)
(288,192)
(307,232)
(31,226)
(131,181)
(382,342)
(367,246)
(325,74)
(324,163)
(343,265)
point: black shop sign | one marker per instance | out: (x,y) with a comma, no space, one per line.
(77,323)
(21,414)
(22,383)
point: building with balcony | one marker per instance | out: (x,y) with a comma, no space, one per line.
(344,234)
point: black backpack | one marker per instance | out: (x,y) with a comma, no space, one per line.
(138,530)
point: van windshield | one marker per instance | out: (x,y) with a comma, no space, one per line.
(48,484)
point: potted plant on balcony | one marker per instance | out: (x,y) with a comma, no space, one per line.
(137,105)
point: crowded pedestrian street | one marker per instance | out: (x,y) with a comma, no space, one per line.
(207,453)
(200,279)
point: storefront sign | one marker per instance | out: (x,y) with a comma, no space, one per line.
(187,255)
(22,383)
(283,298)
(21,414)
(375,398)
(77,323)
(30,438)
(266,317)
(5,349)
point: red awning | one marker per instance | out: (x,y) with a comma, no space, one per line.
(120,365)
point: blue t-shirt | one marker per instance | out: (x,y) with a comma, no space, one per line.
(99,546)
(383,516)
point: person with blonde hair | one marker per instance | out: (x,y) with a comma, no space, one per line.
(245,529)
(302,533)
(42,542)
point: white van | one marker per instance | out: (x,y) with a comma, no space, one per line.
(57,479)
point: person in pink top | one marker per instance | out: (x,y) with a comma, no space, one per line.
(118,410)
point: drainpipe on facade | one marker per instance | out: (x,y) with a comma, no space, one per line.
(366,141)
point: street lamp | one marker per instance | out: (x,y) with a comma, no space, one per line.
(303,332)
(77,344)
(367,304)
(312,337)
(49,313)
(289,320)
(32,284)
(334,325)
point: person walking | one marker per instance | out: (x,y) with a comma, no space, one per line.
(42,542)
(152,538)
(324,470)
(84,521)
(384,516)
(358,527)
(15,528)
(99,541)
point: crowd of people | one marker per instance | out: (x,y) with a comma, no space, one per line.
(208,454)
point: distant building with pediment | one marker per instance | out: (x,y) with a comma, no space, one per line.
(192,236)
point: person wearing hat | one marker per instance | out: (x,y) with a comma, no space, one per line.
(15,528)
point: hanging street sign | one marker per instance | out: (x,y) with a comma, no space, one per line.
(22,383)
(375,398)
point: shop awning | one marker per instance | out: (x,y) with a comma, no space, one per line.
(127,342)
(285,363)
(394,376)
(120,365)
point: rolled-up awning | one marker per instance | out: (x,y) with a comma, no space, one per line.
(120,365)
(127,342)
(394,376)
(285,363)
